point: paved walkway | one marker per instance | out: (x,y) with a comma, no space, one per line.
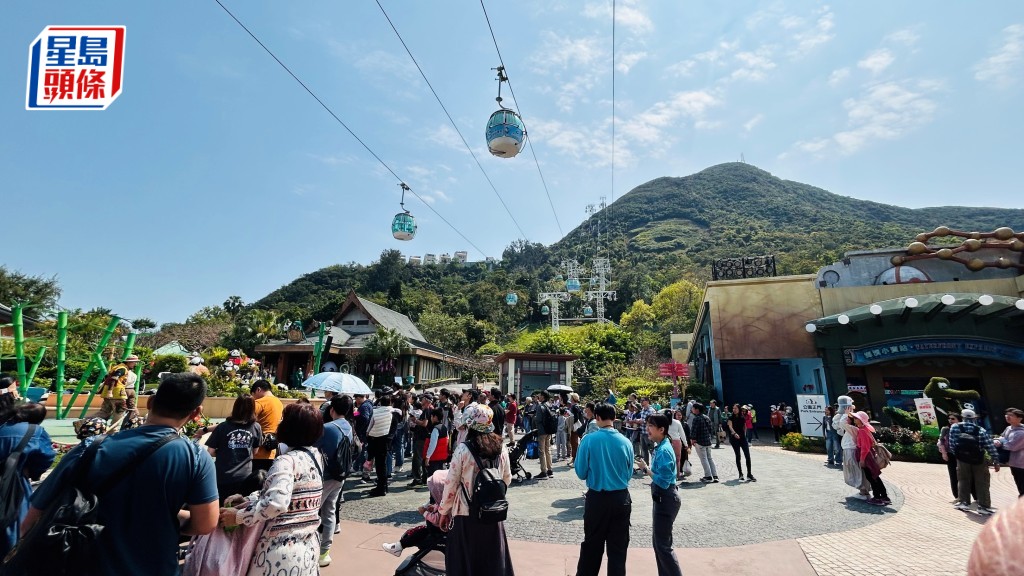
(835,535)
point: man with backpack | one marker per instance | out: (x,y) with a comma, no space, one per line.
(150,473)
(968,442)
(337,445)
(546,423)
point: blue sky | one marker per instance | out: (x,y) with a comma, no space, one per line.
(216,174)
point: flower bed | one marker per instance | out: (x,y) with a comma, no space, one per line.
(906,445)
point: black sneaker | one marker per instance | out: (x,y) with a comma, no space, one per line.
(550,473)
(706,479)
(714,480)
(377,492)
(751,478)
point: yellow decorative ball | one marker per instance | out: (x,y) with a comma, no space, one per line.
(896,260)
(941,231)
(945,253)
(1004,233)
(1017,245)
(1004,262)
(973,244)
(976,264)
(917,248)
(922,237)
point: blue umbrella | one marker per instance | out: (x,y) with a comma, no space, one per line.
(337,382)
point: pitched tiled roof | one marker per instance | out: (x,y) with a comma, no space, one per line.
(394,320)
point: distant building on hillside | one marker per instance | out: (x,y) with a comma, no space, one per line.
(430,259)
(461,256)
(414,260)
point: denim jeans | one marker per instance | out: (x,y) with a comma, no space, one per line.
(832,449)
(707,462)
(396,457)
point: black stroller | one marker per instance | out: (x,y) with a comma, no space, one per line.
(518,452)
(429,557)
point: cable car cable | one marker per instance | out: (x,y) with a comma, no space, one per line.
(450,119)
(518,111)
(345,126)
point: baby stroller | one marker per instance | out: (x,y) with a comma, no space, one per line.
(518,452)
(429,557)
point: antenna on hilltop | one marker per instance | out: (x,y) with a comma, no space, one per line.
(742,159)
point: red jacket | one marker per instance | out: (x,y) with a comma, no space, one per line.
(511,411)
(441,450)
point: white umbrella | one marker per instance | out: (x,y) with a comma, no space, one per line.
(559,388)
(337,382)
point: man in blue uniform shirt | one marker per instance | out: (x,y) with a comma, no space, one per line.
(605,461)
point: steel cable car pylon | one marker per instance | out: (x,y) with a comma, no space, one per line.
(403,227)
(505,133)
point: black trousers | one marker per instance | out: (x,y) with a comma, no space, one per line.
(1018,478)
(738,445)
(605,521)
(418,466)
(877,486)
(666,507)
(378,450)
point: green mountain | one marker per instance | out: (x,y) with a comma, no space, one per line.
(736,209)
(661,231)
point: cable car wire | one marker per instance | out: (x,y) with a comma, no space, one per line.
(450,119)
(345,126)
(518,111)
(613,102)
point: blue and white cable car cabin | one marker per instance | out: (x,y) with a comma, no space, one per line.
(572,285)
(511,299)
(588,311)
(544,310)
(403,226)
(505,133)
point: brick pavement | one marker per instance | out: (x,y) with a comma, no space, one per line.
(928,537)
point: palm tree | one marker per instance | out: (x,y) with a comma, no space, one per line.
(386,346)
(234,306)
(263,325)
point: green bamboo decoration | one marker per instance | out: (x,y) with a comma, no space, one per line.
(93,360)
(17,320)
(35,366)
(319,351)
(62,349)
(129,344)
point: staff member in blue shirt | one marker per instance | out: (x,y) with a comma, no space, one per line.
(663,490)
(605,461)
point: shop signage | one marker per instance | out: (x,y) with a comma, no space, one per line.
(674,369)
(926,413)
(812,414)
(932,347)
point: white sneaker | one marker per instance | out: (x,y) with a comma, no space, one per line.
(986,510)
(395,549)
(962,506)
(325,559)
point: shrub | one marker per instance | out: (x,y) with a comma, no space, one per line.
(799,443)
(898,435)
(168,363)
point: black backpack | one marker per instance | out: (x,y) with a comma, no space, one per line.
(64,539)
(488,504)
(968,448)
(339,467)
(12,490)
(550,420)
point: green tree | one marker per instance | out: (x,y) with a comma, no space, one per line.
(385,347)
(143,324)
(39,292)
(234,306)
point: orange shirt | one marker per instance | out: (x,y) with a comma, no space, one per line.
(269,411)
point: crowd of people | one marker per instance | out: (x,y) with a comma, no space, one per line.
(272,476)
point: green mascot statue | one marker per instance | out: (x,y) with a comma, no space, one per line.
(945,398)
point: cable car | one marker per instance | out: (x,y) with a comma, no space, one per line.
(588,311)
(505,132)
(544,310)
(403,226)
(572,285)
(511,299)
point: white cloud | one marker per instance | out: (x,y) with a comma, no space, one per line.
(649,126)
(907,37)
(682,68)
(753,122)
(719,53)
(593,147)
(884,111)
(333,159)
(753,65)
(628,14)
(877,61)
(628,60)
(560,52)
(819,33)
(1002,68)
(791,22)
(837,76)
(446,136)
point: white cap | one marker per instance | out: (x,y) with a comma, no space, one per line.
(968,414)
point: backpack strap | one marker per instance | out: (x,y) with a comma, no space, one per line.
(315,462)
(480,470)
(24,440)
(127,467)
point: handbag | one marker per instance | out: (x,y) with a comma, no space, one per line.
(881,455)
(269,441)
(687,468)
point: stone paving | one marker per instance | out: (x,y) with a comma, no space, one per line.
(928,536)
(792,498)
